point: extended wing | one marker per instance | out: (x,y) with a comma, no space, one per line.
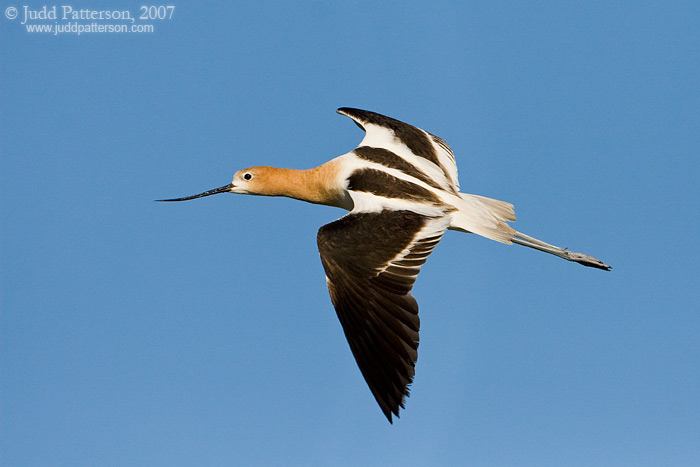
(425,151)
(371,261)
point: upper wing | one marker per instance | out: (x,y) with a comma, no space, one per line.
(371,261)
(421,146)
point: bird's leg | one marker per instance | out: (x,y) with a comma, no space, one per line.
(586,260)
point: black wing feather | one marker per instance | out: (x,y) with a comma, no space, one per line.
(371,262)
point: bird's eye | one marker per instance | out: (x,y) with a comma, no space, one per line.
(247,176)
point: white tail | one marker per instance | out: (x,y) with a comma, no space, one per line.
(484,216)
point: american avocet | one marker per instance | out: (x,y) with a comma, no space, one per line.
(400,186)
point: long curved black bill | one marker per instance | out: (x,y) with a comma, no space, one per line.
(215,191)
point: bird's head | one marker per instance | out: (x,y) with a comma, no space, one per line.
(250,181)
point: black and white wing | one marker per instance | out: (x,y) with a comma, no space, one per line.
(371,260)
(425,151)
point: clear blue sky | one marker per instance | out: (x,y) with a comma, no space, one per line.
(201,333)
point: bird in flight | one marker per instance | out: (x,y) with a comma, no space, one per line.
(400,186)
